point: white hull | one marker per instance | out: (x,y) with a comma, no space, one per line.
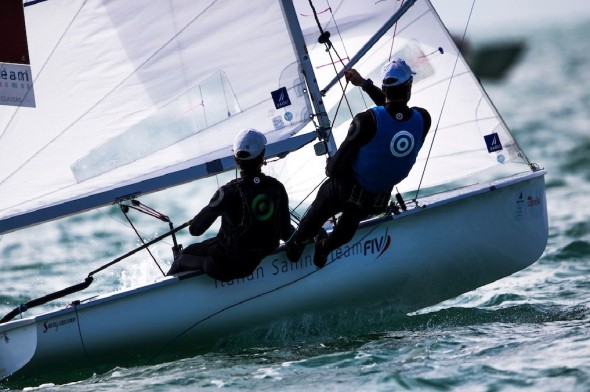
(407,262)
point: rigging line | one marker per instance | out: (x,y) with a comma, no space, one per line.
(294,216)
(444,101)
(343,96)
(325,38)
(330,9)
(394,34)
(132,252)
(142,241)
(337,29)
(310,192)
(315,15)
(139,206)
(294,220)
(342,62)
(342,88)
(88,357)
(123,223)
(47,298)
(115,88)
(373,40)
(40,72)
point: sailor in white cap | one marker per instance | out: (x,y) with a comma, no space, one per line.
(254,212)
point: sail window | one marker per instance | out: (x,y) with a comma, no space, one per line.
(206,104)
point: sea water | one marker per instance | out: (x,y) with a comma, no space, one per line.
(529,331)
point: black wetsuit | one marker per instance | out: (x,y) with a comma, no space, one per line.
(254,212)
(341,193)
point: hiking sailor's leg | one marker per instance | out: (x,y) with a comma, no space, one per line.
(187,262)
(193,257)
(341,234)
(345,228)
(323,207)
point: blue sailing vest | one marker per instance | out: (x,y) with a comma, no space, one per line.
(389,156)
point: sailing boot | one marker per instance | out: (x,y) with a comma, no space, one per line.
(294,250)
(320,256)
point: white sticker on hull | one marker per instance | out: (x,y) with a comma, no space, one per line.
(54,325)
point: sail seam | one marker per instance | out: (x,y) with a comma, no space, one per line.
(89,110)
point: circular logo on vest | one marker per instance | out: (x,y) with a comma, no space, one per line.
(401,144)
(256,180)
(262,207)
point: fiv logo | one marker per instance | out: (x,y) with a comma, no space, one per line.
(377,245)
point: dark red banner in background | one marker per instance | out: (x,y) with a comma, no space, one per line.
(13,34)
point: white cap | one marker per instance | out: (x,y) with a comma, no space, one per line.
(397,71)
(249,144)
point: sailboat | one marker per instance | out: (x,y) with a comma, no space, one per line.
(132,98)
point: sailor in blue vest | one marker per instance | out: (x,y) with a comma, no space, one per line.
(254,212)
(379,151)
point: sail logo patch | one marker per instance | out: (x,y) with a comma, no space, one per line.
(277,122)
(493,142)
(280,98)
(401,144)
(16,85)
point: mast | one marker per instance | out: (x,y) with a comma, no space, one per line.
(314,91)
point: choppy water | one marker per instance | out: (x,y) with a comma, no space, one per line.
(526,332)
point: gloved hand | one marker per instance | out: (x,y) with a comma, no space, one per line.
(354,77)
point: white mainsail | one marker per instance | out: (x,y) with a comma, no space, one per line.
(137,109)
(129,93)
